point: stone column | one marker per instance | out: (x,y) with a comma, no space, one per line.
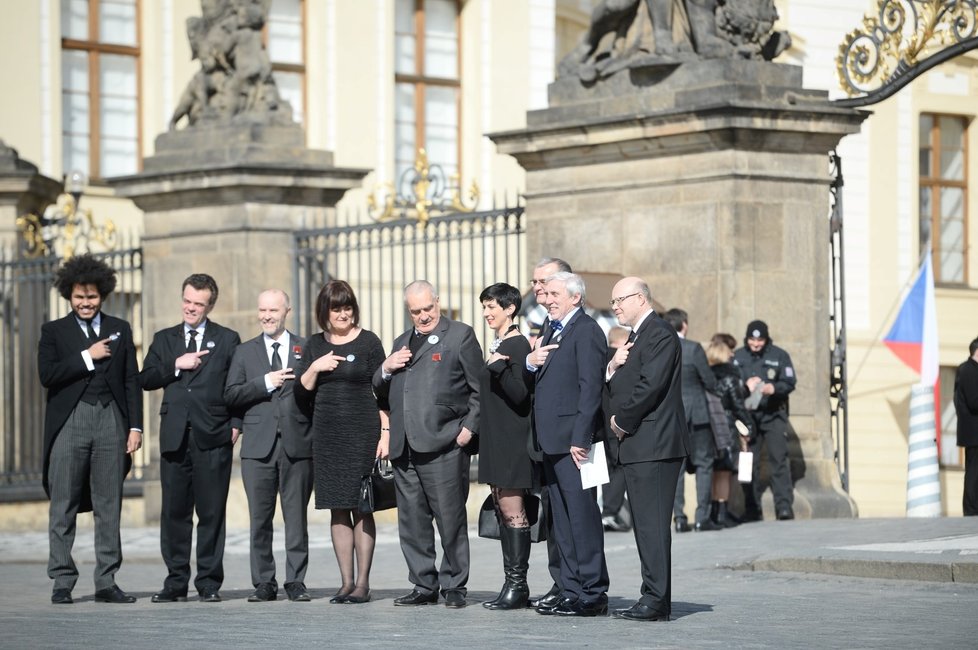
(225,200)
(710,180)
(23,190)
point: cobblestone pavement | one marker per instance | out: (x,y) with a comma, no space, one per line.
(865,583)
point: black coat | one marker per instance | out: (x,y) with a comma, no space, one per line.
(966,403)
(63,372)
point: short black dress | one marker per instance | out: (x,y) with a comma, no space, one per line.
(345,419)
(504,419)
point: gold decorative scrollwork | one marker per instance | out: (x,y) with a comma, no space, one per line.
(901,37)
(65,227)
(429,192)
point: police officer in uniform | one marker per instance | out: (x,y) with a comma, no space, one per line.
(767,369)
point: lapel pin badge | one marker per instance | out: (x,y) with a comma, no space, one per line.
(210,344)
(436,356)
(297,352)
(351,357)
(433,339)
(114,336)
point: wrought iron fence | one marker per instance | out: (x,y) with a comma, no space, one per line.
(27,300)
(460,254)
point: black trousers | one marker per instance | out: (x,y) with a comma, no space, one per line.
(194,479)
(970,501)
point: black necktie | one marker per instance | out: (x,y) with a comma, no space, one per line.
(192,344)
(417,340)
(276,360)
(90,331)
(632,336)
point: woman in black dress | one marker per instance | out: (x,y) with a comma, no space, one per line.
(733,419)
(504,431)
(349,430)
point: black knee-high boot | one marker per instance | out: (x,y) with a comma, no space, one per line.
(516,562)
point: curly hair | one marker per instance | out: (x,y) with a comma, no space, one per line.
(84,269)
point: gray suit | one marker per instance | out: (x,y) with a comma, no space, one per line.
(431,399)
(697,378)
(276,457)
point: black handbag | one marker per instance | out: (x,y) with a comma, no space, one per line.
(489,522)
(724,460)
(377,488)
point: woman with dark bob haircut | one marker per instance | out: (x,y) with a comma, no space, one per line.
(349,430)
(504,432)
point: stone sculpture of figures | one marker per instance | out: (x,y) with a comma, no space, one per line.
(235,76)
(709,29)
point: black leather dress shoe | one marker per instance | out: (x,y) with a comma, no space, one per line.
(707,524)
(61,597)
(167,595)
(786,514)
(113,595)
(549,599)
(640,612)
(296,591)
(416,598)
(682,526)
(547,610)
(583,608)
(263,593)
(454,599)
(210,596)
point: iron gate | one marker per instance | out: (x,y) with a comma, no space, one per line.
(459,253)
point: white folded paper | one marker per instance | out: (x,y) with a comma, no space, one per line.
(594,470)
(745,466)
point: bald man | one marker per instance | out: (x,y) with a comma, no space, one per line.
(647,416)
(276,446)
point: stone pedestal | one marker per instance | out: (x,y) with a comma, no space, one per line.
(710,180)
(226,201)
(23,190)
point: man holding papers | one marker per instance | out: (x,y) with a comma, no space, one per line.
(565,371)
(647,416)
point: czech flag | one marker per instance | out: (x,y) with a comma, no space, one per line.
(913,337)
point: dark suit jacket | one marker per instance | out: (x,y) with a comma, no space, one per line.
(437,393)
(264,414)
(567,389)
(195,398)
(646,396)
(63,372)
(966,403)
(697,379)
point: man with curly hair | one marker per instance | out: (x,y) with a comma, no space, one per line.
(92,422)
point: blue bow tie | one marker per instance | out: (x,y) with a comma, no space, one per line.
(556,325)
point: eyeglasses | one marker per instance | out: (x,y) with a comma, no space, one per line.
(617,301)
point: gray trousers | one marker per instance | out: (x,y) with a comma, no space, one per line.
(264,480)
(433,487)
(90,450)
(701,456)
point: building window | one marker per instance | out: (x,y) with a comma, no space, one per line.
(100,87)
(285,36)
(427,87)
(944,195)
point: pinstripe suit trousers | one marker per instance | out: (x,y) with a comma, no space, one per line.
(90,449)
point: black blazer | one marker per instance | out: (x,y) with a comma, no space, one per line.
(63,372)
(568,388)
(264,414)
(195,398)
(697,380)
(966,403)
(646,396)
